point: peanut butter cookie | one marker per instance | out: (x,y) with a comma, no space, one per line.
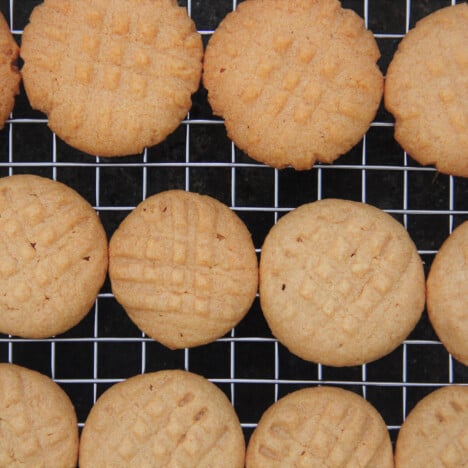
(295,81)
(341,282)
(112,76)
(320,427)
(166,418)
(184,267)
(447,299)
(435,432)
(9,74)
(426,89)
(38,425)
(53,256)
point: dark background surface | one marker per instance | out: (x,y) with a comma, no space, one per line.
(247,364)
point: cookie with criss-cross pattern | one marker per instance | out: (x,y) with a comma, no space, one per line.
(295,81)
(320,427)
(426,89)
(341,282)
(113,76)
(435,433)
(38,425)
(184,267)
(166,418)
(9,74)
(53,256)
(447,298)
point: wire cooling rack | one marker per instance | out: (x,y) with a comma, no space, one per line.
(248,364)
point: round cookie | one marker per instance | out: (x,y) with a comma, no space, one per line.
(9,74)
(166,418)
(317,427)
(38,425)
(435,432)
(426,90)
(184,268)
(341,282)
(296,82)
(53,256)
(114,76)
(447,301)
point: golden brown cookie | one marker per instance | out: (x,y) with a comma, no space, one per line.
(113,76)
(427,90)
(341,282)
(9,74)
(38,426)
(435,433)
(167,418)
(296,81)
(53,256)
(184,268)
(320,427)
(447,299)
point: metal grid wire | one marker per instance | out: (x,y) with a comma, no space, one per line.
(248,364)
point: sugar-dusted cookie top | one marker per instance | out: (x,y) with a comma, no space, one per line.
(426,89)
(113,76)
(38,425)
(320,427)
(9,74)
(341,282)
(296,81)
(53,256)
(435,432)
(184,267)
(166,418)
(447,298)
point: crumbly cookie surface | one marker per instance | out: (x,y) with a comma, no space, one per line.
(341,282)
(447,300)
(38,425)
(166,418)
(426,89)
(295,81)
(321,426)
(112,76)
(53,256)
(9,74)
(435,432)
(184,268)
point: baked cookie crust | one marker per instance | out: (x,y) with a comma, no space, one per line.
(38,421)
(53,256)
(113,76)
(447,299)
(435,433)
(166,418)
(9,75)
(295,81)
(320,426)
(184,267)
(426,90)
(341,282)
